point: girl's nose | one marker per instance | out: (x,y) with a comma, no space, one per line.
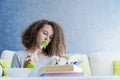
(46,38)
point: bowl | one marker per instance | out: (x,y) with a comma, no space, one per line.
(18,72)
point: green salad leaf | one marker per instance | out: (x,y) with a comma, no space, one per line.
(44,44)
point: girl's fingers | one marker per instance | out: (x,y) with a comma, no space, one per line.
(33,58)
(29,57)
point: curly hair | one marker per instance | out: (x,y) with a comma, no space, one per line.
(57,45)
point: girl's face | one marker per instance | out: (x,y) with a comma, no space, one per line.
(45,34)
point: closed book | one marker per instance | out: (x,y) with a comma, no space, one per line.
(62,68)
(68,73)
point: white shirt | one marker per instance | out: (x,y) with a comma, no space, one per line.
(20,56)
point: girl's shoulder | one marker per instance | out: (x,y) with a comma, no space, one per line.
(21,53)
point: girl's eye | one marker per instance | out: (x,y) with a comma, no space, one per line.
(45,33)
(51,37)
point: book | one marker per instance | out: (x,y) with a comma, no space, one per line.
(62,68)
(67,73)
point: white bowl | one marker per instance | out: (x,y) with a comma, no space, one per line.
(18,72)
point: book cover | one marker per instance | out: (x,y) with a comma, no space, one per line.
(67,73)
(61,68)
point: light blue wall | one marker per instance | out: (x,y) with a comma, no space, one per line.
(89,25)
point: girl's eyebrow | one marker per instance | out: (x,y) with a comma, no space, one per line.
(46,31)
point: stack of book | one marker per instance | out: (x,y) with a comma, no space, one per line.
(63,70)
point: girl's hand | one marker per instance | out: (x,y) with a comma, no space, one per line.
(31,59)
(34,57)
(28,60)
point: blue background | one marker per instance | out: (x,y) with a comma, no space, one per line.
(89,25)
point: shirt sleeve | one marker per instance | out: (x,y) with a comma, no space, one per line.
(16,62)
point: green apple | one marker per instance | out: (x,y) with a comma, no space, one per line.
(30,65)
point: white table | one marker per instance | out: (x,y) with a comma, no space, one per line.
(63,78)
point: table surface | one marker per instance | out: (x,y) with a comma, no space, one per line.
(63,78)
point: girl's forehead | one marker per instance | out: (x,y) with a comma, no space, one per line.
(48,28)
